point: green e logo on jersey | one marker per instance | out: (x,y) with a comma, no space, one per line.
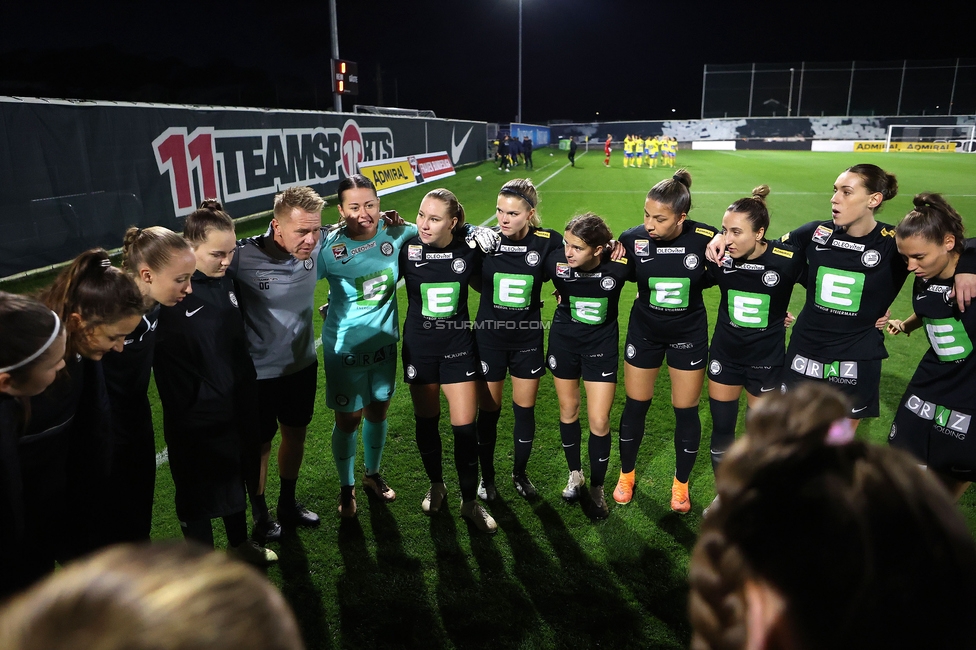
(589,311)
(669,292)
(838,289)
(513,290)
(948,338)
(372,289)
(440,299)
(748,309)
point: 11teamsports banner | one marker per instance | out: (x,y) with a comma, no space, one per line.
(75,175)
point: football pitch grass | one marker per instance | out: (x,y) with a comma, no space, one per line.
(393,577)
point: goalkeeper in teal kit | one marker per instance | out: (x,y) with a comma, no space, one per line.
(360,333)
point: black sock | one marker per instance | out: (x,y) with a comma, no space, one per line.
(236,527)
(466,459)
(687,437)
(487,437)
(259,507)
(599,448)
(286,497)
(632,432)
(429,444)
(571,435)
(198,530)
(724,415)
(523,436)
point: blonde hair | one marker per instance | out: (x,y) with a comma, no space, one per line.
(154,246)
(160,597)
(301,197)
(523,188)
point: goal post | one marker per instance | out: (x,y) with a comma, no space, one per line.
(931,137)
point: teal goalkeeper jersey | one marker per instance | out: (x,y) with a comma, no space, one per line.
(362,279)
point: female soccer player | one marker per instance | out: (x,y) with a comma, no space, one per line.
(854,273)
(161,262)
(439,349)
(509,333)
(822,541)
(606,150)
(361,262)
(668,319)
(583,342)
(64,448)
(202,368)
(31,355)
(934,417)
(749,342)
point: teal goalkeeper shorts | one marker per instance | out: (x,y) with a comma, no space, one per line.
(354,380)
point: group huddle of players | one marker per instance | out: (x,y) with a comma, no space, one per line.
(638,151)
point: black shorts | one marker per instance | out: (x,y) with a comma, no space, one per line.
(937,436)
(758,380)
(289,400)
(524,364)
(567,362)
(643,353)
(858,379)
(454,368)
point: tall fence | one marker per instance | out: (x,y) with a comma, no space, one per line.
(74,175)
(851,88)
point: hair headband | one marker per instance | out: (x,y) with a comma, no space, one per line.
(41,350)
(507,190)
(840,432)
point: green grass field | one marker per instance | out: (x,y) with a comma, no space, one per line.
(551,578)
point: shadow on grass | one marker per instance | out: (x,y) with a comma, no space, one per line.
(298,587)
(671,522)
(576,597)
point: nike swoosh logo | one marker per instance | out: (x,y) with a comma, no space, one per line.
(646,259)
(858,410)
(823,248)
(536,370)
(190,313)
(626,440)
(603,460)
(468,374)
(605,374)
(695,363)
(765,390)
(457,148)
(730,270)
(419,264)
(524,441)
(924,295)
(565,446)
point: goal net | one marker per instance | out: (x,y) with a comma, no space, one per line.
(931,137)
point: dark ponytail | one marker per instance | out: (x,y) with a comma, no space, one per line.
(877,181)
(932,219)
(674,192)
(754,207)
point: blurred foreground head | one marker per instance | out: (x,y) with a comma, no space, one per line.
(161,597)
(821,541)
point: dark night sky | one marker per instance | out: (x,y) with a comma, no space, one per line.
(624,58)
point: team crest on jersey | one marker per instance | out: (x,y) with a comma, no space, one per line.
(562,270)
(386,248)
(770,278)
(691,261)
(341,400)
(309,264)
(552,362)
(532,258)
(726,262)
(715,368)
(340,252)
(233,298)
(484,367)
(458,265)
(415,253)
(411,371)
(642,247)
(608,284)
(821,234)
(871,258)
(631,351)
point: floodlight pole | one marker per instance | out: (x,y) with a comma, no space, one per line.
(518,115)
(334,36)
(789,102)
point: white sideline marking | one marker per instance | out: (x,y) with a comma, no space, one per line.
(540,184)
(162,457)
